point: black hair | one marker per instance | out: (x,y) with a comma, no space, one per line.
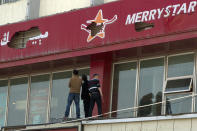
(95,75)
(75,72)
(84,78)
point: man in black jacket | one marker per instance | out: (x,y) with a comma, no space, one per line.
(95,94)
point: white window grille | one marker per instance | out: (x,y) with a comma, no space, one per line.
(7,1)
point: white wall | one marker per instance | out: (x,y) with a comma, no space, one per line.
(17,11)
(160,125)
(13,12)
(49,7)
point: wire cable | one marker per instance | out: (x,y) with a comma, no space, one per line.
(130,108)
(121,110)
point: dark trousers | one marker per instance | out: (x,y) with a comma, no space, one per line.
(95,98)
(86,105)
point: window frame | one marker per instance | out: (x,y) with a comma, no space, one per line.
(29,75)
(192,76)
(165,78)
(7,100)
(180,54)
(51,82)
(180,93)
(139,69)
(27,99)
(136,84)
(50,97)
(138,62)
(29,93)
(179,78)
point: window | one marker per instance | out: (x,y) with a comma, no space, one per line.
(179,82)
(178,106)
(17,101)
(180,65)
(59,95)
(29,96)
(39,91)
(150,86)
(124,85)
(159,79)
(3,100)
(179,85)
(6,1)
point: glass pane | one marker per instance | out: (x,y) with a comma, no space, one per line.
(195,98)
(180,65)
(124,85)
(84,71)
(178,106)
(17,101)
(3,101)
(39,99)
(73,112)
(178,85)
(150,86)
(59,95)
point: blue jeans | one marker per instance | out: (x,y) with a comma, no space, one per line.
(71,97)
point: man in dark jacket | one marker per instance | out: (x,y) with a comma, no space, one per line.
(95,94)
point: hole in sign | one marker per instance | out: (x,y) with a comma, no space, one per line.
(140,26)
(20,39)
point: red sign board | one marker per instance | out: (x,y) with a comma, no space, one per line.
(101,26)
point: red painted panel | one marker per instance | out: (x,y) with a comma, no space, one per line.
(119,46)
(102,65)
(66,36)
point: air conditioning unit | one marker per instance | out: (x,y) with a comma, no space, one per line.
(96,2)
(33,9)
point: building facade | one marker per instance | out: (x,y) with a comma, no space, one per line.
(13,11)
(144,51)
